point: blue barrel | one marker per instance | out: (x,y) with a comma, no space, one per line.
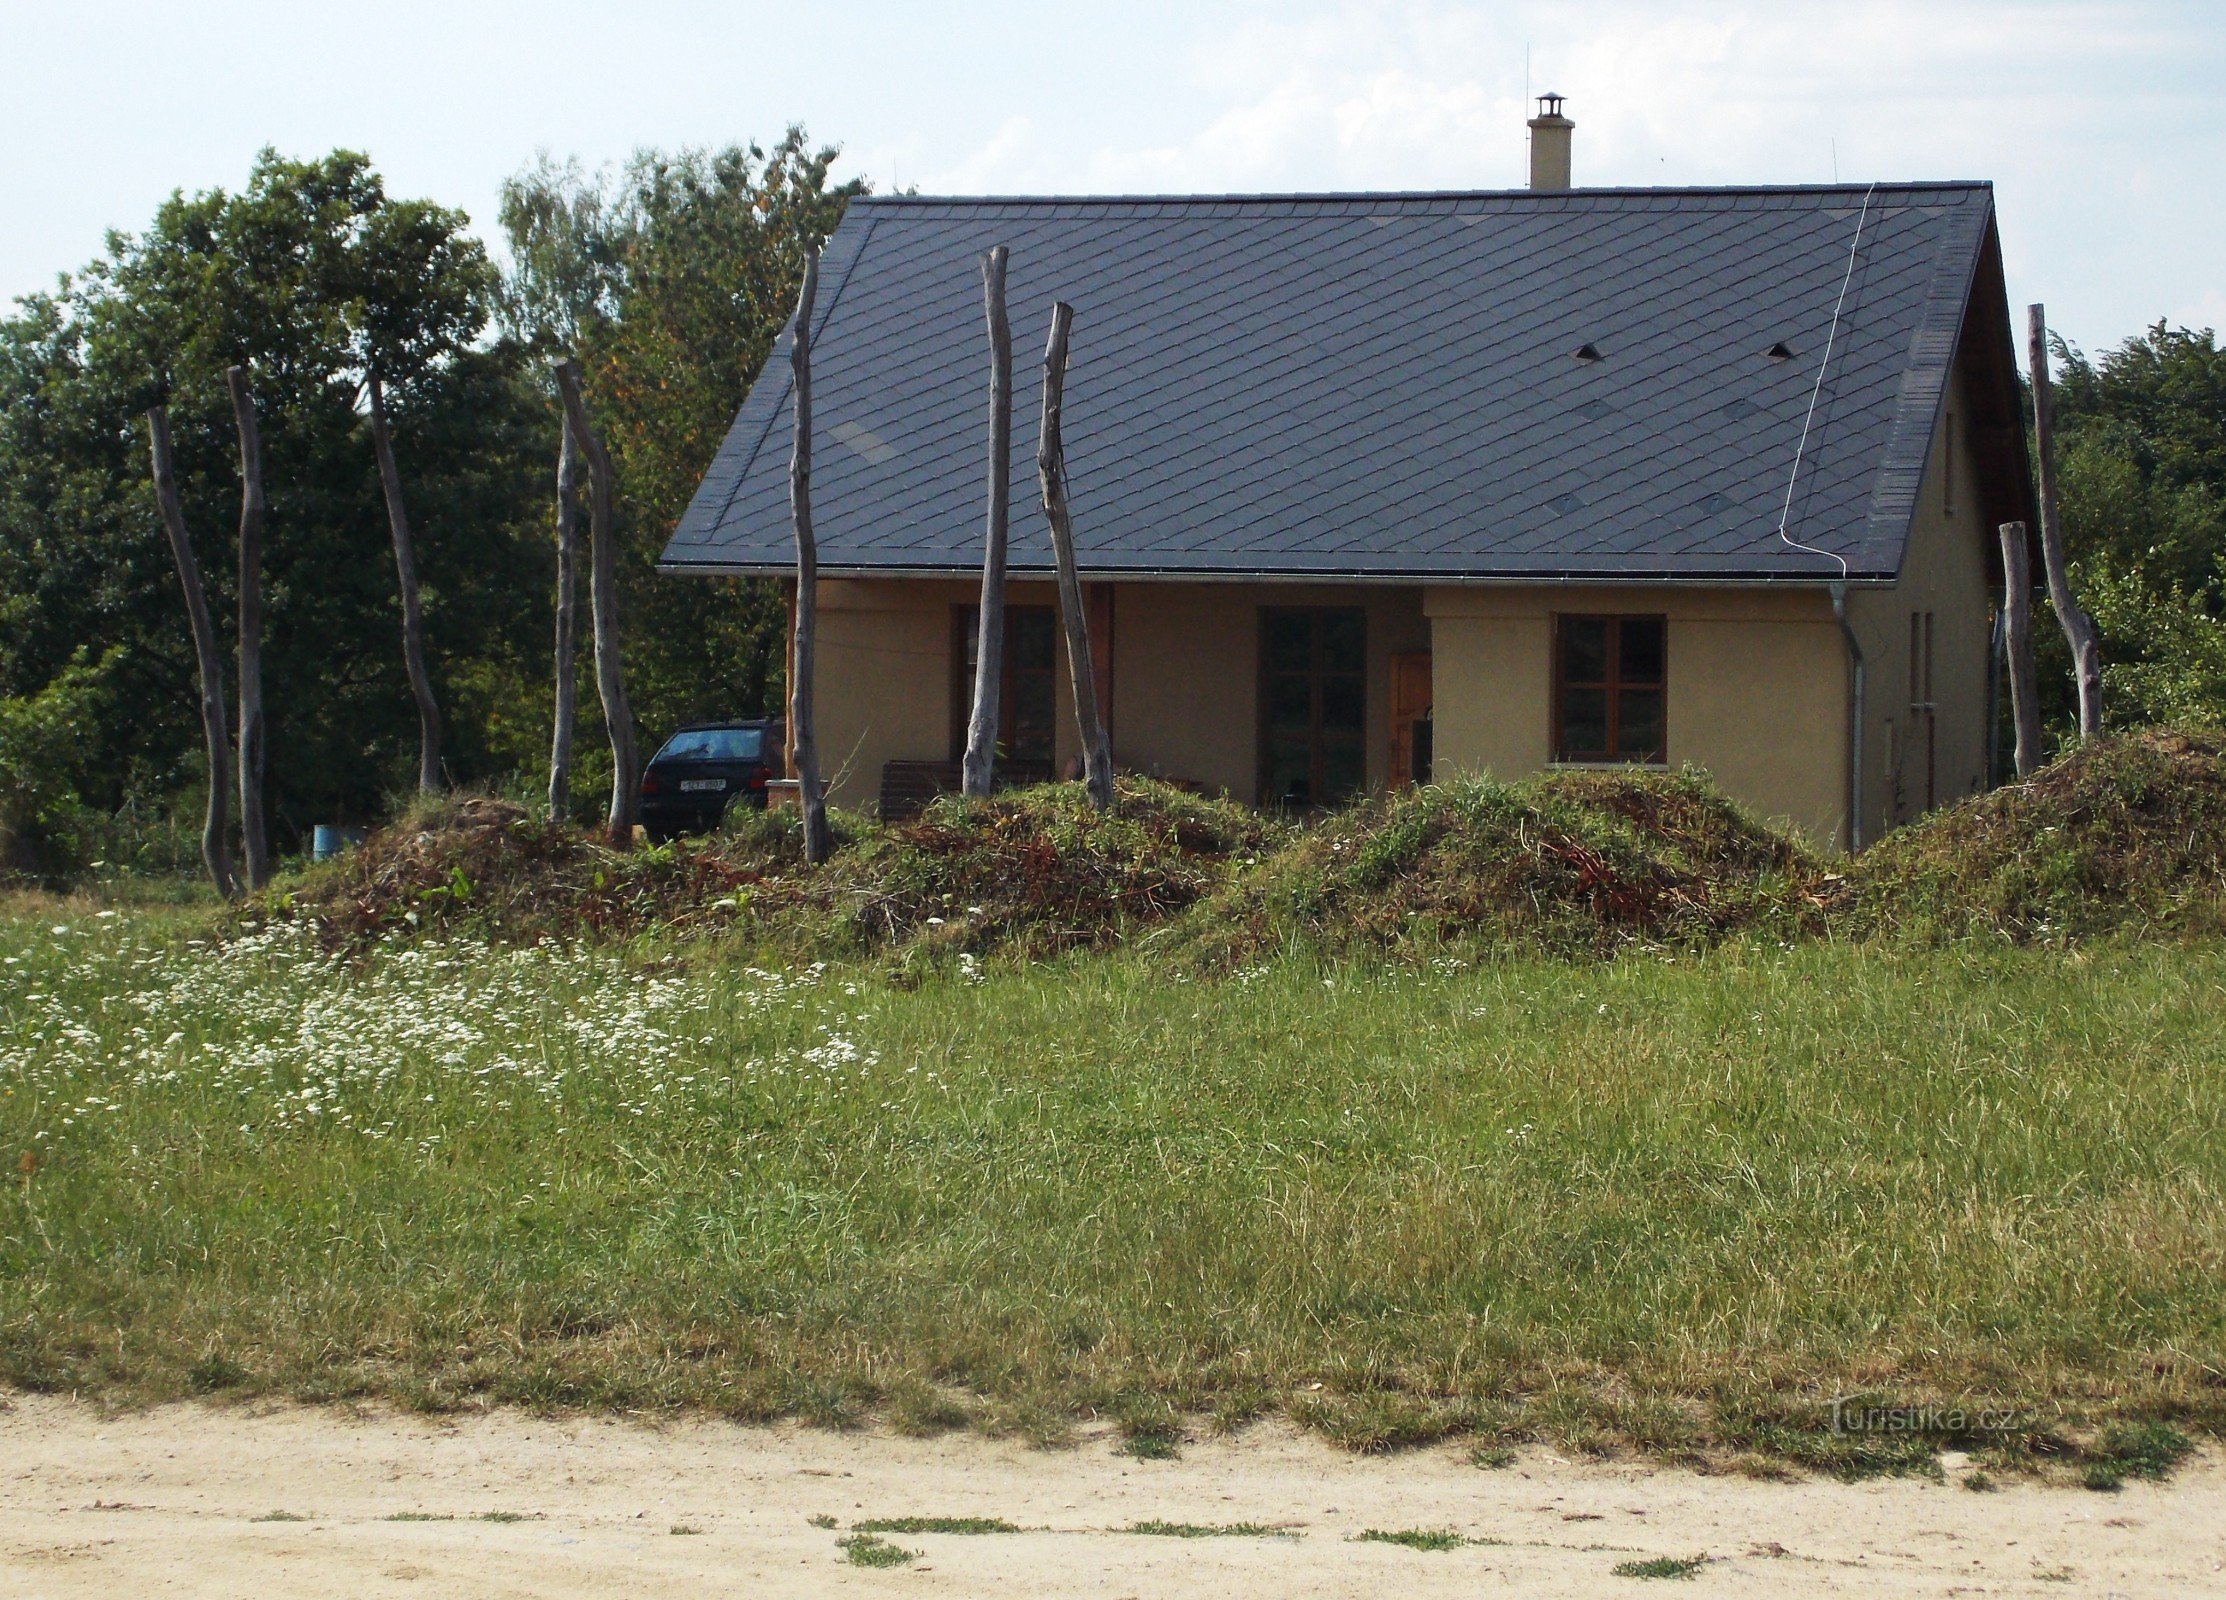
(330,839)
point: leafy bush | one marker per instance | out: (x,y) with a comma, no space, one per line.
(45,828)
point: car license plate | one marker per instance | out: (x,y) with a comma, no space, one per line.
(693,785)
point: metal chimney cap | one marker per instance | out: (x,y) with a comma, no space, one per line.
(1549,113)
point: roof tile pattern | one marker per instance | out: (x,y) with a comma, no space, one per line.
(1378,386)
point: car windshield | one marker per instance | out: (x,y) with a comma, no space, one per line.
(714,744)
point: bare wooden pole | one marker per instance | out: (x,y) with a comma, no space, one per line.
(989,638)
(1051,473)
(610,680)
(413,616)
(2079,628)
(216,848)
(567,589)
(819,844)
(254,834)
(2017,645)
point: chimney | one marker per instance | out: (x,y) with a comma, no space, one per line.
(1549,145)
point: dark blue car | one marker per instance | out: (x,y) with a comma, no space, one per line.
(703,769)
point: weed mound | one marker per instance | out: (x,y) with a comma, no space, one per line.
(486,866)
(1573,863)
(1036,870)
(2128,831)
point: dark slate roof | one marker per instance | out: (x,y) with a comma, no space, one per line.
(1376,385)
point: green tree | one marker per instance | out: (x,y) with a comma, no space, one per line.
(302,274)
(2142,468)
(669,282)
(45,824)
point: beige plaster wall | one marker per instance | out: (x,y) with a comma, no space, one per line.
(1185,675)
(1757,686)
(1946,570)
(1186,679)
(883,670)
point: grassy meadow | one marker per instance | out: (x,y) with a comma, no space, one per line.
(1671,1205)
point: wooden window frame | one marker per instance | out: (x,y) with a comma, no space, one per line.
(1613,686)
(1264,671)
(965,629)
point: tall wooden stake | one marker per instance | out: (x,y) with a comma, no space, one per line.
(413,617)
(989,638)
(216,847)
(819,844)
(254,835)
(1051,473)
(567,588)
(2079,628)
(2017,645)
(610,681)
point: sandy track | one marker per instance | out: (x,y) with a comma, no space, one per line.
(183,1501)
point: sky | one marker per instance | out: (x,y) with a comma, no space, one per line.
(2101,122)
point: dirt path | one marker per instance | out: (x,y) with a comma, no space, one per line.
(195,1500)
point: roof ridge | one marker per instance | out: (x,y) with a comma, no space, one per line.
(1347,196)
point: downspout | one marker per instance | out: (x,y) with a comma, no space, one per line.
(1855,719)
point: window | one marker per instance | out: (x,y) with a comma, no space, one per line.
(1610,702)
(1027,695)
(1923,716)
(1313,705)
(714,744)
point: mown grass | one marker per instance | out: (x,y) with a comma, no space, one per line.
(1668,1206)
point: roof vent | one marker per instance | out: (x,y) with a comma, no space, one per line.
(1588,352)
(1781,351)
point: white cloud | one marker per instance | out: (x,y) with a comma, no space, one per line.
(2096,118)
(1005,162)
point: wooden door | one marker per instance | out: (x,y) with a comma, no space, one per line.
(1410,718)
(1313,705)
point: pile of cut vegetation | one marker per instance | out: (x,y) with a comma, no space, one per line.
(1570,863)
(486,866)
(2127,832)
(1035,871)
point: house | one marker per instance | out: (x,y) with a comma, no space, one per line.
(1374,487)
